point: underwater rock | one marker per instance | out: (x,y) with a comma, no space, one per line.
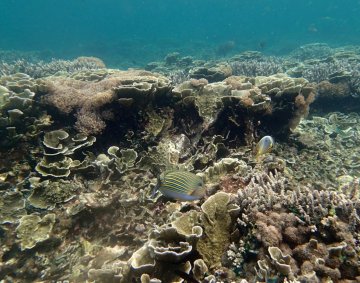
(33,230)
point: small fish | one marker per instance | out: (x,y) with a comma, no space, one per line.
(180,185)
(264,146)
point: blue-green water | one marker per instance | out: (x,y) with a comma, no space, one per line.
(134,32)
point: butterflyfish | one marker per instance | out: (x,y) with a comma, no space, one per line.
(264,146)
(180,185)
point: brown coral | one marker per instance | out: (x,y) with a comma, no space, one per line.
(90,60)
(302,105)
(90,101)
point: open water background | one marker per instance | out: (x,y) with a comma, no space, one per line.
(133,32)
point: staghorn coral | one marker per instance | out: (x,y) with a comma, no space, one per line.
(252,67)
(40,69)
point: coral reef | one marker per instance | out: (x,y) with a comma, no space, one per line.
(79,208)
(260,98)
(21,119)
(336,70)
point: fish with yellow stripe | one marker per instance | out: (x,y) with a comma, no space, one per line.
(180,185)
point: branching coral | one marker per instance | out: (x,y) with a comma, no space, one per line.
(277,215)
(264,66)
(39,69)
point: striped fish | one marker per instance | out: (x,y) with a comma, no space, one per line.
(181,185)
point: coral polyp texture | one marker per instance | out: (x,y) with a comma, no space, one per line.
(83,147)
